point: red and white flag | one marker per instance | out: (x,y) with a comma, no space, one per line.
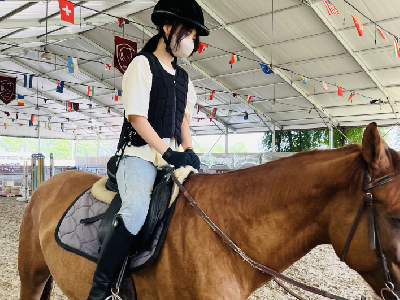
(67,11)
(331,8)
(107,67)
(325,86)
(249,99)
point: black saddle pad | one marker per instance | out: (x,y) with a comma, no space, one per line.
(87,219)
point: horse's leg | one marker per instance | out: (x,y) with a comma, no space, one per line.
(33,270)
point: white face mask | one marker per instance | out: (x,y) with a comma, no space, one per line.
(185,48)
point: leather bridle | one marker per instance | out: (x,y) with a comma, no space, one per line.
(373,233)
(374,240)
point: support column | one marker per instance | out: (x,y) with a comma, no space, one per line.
(226,140)
(76,149)
(98,148)
(38,137)
(273,138)
(330,135)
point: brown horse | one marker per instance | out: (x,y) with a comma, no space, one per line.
(275,212)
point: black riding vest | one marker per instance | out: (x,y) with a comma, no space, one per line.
(168,97)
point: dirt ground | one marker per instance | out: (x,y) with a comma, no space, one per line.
(320,268)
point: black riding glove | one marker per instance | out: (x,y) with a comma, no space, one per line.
(194,160)
(178,159)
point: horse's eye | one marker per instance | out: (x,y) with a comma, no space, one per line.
(395,222)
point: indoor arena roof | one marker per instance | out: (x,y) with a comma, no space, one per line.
(298,37)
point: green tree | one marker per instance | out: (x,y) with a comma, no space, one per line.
(294,141)
(238,148)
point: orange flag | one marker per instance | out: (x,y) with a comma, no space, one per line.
(358,24)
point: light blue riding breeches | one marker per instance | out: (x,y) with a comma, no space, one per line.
(135,178)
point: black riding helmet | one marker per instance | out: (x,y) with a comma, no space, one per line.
(187,10)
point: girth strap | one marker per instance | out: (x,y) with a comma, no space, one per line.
(239,251)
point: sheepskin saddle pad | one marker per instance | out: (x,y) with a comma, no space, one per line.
(86,222)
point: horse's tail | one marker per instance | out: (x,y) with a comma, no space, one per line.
(47,289)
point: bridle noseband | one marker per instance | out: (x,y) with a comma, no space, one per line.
(374,239)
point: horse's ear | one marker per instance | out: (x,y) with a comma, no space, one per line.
(373,148)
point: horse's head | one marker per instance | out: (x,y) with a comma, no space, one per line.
(380,161)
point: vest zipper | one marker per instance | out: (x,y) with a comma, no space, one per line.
(174,111)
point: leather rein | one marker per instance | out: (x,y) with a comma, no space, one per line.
(374,241)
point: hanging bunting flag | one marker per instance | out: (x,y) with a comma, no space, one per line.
(73,65)
(16,117)
(124,51)
(234,95)
(198,108)
(331,8)
(121,22)
(229,113)
(90,91)
(212,94)
(7,89)
(380,34)
(374,101)
(45,100)
(266,69)
(198,119)
(246,115)
(234,58)
(117,94)
(7,113)
(26,81)
(358,25)
(304,79)
(75,106)
(108,110)
(214,111)
(249,98)
(24,52)
(68,106)
(30,123)
(21,124)
(396,50)
(340,91)
(351,96)
(33,118)
(325,86)
(62,127)
(73,131)
(13,120)
(60,87)
(310,111)
(210,120)
(78,127)
(66,11)
(107,67)
(202,47)
(21,101)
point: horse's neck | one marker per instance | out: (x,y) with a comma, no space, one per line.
(276,214)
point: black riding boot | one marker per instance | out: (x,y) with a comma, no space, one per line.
(115,248)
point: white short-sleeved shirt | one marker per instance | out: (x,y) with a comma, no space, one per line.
(136,87)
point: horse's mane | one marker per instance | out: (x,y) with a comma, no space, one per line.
(357,166)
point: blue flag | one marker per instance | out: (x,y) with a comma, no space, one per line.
(73,65)
(60,87)
(266,69)
(30,123)
(26,81)
(246,115)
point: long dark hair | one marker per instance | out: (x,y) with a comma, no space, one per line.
(185,29)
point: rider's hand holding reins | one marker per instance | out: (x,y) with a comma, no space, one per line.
(178,159)
(194,159)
